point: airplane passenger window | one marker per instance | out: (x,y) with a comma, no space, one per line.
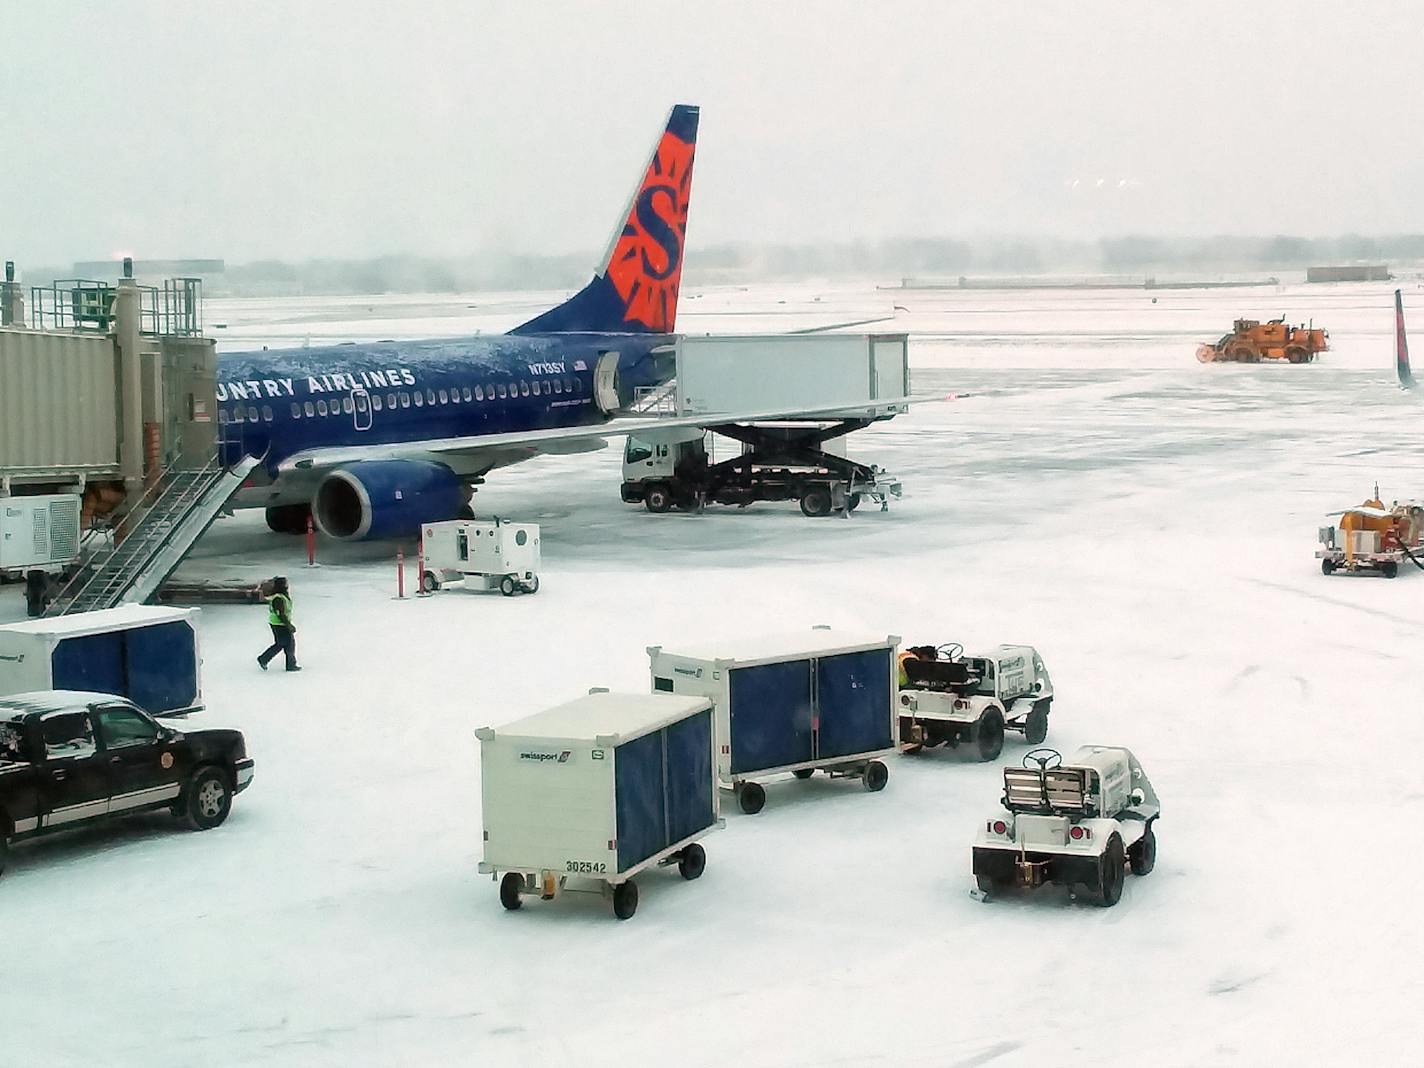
(502,391)
(468,396)
(346,405)
(568,385)
(222,415)
(391,401)
(310,409)
(479,393)
(266,413)
(558,386)
(296,410)
(321,407)
(405,399)
(455,396)
(419,398)
(252,415)
(444,397)
(430,396)
(524,389)
(537,387)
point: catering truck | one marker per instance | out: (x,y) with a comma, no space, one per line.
(834,383)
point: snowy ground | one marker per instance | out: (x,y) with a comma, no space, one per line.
(1148,523)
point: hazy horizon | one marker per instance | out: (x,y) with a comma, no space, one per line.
(357,130)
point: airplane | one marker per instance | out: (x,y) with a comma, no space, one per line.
(1401,345)
(375,440)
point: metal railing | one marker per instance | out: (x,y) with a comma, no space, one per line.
(174,309)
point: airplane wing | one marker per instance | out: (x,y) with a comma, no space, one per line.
(574,439)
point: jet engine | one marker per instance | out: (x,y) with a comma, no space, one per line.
(386,499)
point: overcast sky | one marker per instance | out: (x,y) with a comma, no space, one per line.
(252,130)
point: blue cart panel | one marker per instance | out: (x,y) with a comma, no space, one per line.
(689,776)
(89,662)
(770,720)
(162,666)
(853,703)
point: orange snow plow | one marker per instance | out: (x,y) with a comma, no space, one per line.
(1251,342)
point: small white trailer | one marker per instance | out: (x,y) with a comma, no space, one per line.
(588,794)
(798,703)
(486,555)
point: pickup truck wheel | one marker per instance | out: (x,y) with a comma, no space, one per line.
(625,899)
(989,734)
(692,861)
(1036,725)
(509,888)
(1111,875)
(1143,854)
(751,797)
(207,800)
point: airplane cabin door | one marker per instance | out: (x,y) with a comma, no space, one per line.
(605,382)
(361,409)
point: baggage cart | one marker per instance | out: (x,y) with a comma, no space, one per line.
(817,700)
(589,794)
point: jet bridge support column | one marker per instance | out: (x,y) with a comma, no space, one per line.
(128,338)
(12,301)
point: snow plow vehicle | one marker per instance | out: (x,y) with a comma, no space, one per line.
(1371,537)
(1079,824)
(1251,341)
(947,698)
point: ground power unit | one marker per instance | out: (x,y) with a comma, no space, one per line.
(798,703)
(588,794)
(40,532)
(147,653)
(486,555)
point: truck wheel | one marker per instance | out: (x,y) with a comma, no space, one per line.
(532,586)
(509,888)
(1296,354)
(1389,569)
(691,862)
(989,886)
(1241,353)
(1036,725)
(751,797)
(1143,854)
(804,773)
(658,498)
(852,502)
(430,582)
(1111,874)
(207,800)
(816,502)
(1327,566)
(875,776)
(625,899)
(989,734)
(508,586)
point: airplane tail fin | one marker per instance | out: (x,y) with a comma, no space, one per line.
(635,291)
(1401,345)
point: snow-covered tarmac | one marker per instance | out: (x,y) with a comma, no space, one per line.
(1147,522)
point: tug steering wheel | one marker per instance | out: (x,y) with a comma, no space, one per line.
(1043,759)
(950,650)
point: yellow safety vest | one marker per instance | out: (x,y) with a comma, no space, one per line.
(272,615)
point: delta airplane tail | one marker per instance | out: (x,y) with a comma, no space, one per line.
(1401,345)
(635,291)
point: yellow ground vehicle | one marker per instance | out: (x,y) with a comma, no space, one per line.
(1371,537)
(1251,342)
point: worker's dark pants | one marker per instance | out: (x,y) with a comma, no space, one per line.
(284,640)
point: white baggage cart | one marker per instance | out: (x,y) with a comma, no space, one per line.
(588,794)
(487,555)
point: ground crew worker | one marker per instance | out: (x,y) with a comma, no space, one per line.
(279,617)
(915,652)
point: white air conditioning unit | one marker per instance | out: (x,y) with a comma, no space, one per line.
(39,532)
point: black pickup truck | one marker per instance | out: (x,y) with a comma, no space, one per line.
(68,758)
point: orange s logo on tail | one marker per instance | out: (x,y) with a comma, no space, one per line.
(646,265)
